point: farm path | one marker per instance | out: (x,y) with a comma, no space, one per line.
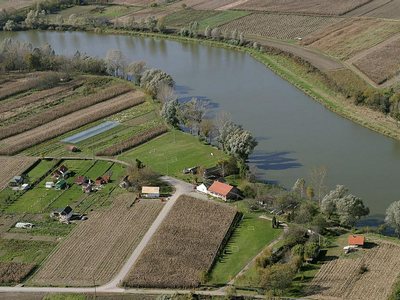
(270,245)
(180,189)
(317,59)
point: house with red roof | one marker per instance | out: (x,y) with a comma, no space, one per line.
(356,240)
(223,191)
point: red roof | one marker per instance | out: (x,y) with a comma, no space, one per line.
(356,240)
(220,188)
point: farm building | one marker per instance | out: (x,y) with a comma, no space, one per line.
(72,148)
(81,180)
(202,188)
(102,180)
(223,191)
(150,192)
(62,172)
(16,181)
(61,184)
(356,240)
(87,187)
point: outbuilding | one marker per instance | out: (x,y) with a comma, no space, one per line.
(16,181)
(150,192)
(49,185)
(202,188)
(61,184)
(223,191)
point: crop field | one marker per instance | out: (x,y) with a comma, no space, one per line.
(382,63)
(157,12)
(341,278)
(184,246)
(320,7)
(70,122)
(15,4)
(16,86)
(110,12)
(12,166)
(204,4)
(368,8)
(174,151)
(29,252)
(279,26)
(348,38)
(96,250)
(12,272)
(203,17)
(63,110)
(391,10)
(135,2)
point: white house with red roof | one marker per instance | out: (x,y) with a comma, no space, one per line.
(220,190)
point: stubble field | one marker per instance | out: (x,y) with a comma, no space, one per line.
(12,166)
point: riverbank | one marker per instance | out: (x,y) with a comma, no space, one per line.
(311,83)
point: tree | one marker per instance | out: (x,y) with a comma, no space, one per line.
(136,70)
(277,277)
(169,112)
(216,33)
(115,62)
(299,187)
(393,216)
(161,24)
(311,250)
(274,223)
(207,128)
(193,113)
(328,203)
(32,19)
(207,32)
(10,26)
(152,79)
(165,93)
(317,178)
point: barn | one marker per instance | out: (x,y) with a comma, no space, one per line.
(150,192)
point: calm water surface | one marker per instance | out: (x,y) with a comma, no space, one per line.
(294,132)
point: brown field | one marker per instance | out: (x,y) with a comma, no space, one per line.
(382,63)
(61,110)
(12,166)
(367,8)
(348,38)
(279,26)
(16,86)
(320,7)
(97,248)
(157,12)
(184,246)
(13,272)
(135,2)
(389,11)
(204,4)
(341,278)
(22,141)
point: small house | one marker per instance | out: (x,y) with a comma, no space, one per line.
(64,214)
(223,191)
(106,178)
(202,188)
(72,148)
(124,183)
(356,240)
(81,180)
(87,188)
(25,187)
(49,185)
(16,181)
(56,174)
(150,192)
(61,184)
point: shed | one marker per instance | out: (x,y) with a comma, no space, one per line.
(49,185)
(356,240)
(16,181)
(222,190)
(150,191)
(106,178)
(65,214)
(72,148)
(61,184)
(24,225)
(202,188)
(81,180)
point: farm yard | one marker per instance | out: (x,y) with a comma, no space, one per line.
(111,234)
(342,278)
(279,26)
(185,245)
(382,62)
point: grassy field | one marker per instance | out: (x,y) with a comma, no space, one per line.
(174,151)
(248,239)
(110,12)
(24,251)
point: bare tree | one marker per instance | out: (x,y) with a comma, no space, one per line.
(165,93)
(115,62)
(136,69)
(317,179)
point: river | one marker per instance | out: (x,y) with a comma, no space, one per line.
(294,133)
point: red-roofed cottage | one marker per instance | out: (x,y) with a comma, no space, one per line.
(356,240)
(223,190)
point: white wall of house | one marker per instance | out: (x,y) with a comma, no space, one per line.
(202,188)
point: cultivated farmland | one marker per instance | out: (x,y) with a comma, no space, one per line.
(16,86)
(389,11)
(342,278)
(382,62)
(97,248)
(185,245)
(13,272)
(70,122)
(12,166)
(320,7)
(346,39)
(279,26)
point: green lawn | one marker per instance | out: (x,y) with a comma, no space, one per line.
(40,169)
(24,251)
(248,239)
(172,152)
